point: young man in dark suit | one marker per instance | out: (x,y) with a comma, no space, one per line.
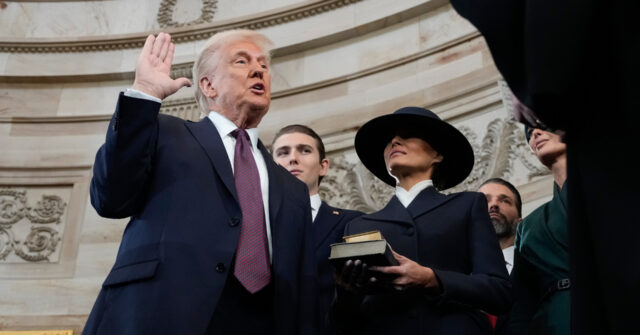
(219,240)
(300,150)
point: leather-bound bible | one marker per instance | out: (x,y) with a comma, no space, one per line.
(369,247)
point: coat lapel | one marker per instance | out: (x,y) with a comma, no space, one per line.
(393,212)
(275,190)
(426,201)
(207,135)
(325,223)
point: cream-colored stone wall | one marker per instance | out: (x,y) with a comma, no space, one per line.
(337,64)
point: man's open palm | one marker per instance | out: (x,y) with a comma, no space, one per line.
(153,70)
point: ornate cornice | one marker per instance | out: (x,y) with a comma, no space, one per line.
(56,119)
(179,34)
(191,104)
(187,108)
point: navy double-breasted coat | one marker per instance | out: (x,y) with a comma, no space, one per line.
(453,235)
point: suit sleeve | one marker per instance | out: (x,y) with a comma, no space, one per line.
(306,266)
(123,163)
(487,287)
(345,315)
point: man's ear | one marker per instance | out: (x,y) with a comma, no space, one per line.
(206,87)
(324,167)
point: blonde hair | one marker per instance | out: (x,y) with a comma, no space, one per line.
(207,58)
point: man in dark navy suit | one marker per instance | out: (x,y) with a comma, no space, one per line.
(300,150)
(220,239)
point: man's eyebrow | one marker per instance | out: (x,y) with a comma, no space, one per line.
(304,146)
(284,147)
(245,53)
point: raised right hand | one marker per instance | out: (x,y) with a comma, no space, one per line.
(153,70)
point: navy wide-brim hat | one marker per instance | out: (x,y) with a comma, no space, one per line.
(457,153)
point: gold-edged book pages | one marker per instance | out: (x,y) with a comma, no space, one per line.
(373,235)
(36,332)
(369,247)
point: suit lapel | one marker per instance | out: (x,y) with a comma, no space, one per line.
(426,201)
(325,223)
(393,212)
(275,190)
(207,135)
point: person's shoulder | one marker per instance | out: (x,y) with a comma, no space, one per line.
(348,214)
(531,222)
(465,196)
(365,217)
(172,119)
(172,122)
(293,188)
(358,223)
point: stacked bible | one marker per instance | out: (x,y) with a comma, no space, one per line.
(369,247)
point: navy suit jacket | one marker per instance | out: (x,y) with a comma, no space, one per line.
(451,234)
(174,179)
(328,228)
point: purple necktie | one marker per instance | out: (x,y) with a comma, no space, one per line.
(252,256)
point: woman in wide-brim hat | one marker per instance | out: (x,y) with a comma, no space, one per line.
(451,270)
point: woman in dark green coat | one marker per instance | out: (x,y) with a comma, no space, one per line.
(541,259)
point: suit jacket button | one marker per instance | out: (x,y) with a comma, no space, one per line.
(411,231)
(234,221)
(220,267)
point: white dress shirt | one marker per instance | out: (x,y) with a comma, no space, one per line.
(508,257)
(225,127)
(406,197)
(316,202)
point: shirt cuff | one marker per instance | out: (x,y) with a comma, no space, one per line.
(130,92)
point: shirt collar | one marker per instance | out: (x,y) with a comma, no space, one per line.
(508,254)
(315,206)
(315,201)
(406,197)
(226,126)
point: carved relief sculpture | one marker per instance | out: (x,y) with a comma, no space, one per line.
(40,240)
(167,7)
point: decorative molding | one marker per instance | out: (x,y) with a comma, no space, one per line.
(41,241)
(37,332)
(49,210)
(352,186)
(12,206)
(189,107)
(56,119)
(496,153)
(51,205)
(181,70)
(183,108)
(179,34)
(167,8)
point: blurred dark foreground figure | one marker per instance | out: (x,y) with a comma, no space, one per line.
(574,65)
